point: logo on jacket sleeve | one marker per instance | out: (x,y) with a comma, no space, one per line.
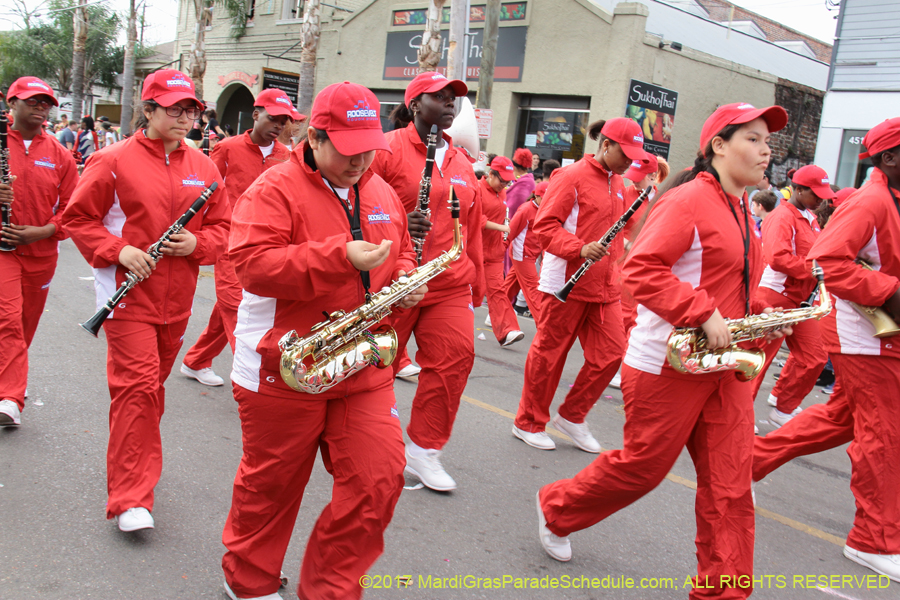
(193,180)
(379,216)
(45,162)
(361,112)
(458,180)
(619,194)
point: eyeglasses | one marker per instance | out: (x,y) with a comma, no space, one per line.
(176,111)
(36,102)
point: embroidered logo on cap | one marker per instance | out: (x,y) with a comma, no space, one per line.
(636,164)
(745,106)
(361,112)
(379,216)
(509,167)
(38,84)
(178,82)
(639,139)
(825,181)
(193,180)
(283,100)
(437,76)
(457,180)
(45,162)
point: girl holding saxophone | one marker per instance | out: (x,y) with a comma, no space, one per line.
(695,264)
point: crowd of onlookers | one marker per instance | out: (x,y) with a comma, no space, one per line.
(86,136)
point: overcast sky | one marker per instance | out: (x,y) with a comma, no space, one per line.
(808,16)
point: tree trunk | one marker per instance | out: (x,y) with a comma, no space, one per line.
(128,72)
(456,54)
(80,41)
(488,57)
(430,51)
(309,34)
(197,62)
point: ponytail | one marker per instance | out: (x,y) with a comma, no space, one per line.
(594,130)
(703,162)
(401,116)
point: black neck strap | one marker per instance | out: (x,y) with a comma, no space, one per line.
(352,218)
(745,238)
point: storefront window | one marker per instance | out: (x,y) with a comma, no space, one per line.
(853,172)
(556,129)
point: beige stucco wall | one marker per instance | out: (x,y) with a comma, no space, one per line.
(574,48)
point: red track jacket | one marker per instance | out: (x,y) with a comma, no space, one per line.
(581,204)
(403,172)
(240,162)
(46,175)
(867,226)
(523,243)
(787,237)
(688,261)
(289,249)
(493,205)
(130,193)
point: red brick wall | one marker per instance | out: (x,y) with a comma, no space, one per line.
(795,145)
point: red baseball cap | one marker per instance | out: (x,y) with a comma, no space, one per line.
(638,170)
(738,114)
(167,87)
(349,113)
(522,157)
(541,188)
(276,103)
(816,179)
(842,194)
(26,87)
(884,136)
(627,133)
(430,82)
(504,166)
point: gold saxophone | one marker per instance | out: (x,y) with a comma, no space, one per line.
(349,342)
(884,325)
(687,351)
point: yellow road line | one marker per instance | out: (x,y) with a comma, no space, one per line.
(768,514)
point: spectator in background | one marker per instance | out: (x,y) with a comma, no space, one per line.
(786,186)
(87,141)
(535,164)
(762,204)
(64,119)
(209,117)
(109,135)
(66,137)
(766,184)
(548,167)
(229,130)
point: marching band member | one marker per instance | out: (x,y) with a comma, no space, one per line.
(524,250)
(867,227)
(695,264)
(240,160)
(44,176)
(520,190)
(788,233)
(583,201)
(501,314)
(443,322)
(130,194)
(642,176)
(312,235)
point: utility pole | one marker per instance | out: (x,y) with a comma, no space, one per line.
(80,41)
(456,56)
(143,22)
(430,51)
(128,71)
(488,57)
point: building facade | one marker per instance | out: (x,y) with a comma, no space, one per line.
(561,64)
(863,86)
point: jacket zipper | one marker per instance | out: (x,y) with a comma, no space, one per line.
(171,218)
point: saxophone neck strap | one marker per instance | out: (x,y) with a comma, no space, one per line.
(745,238)
(355,227)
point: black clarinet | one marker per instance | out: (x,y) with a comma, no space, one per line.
(606,240)
(425,187)
(93,324)
(204,145)
(5,209)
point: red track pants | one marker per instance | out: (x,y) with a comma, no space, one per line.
(361,442)
(138,362)
(599,329)
(524,276)
(446,353)
(803,366)
(818,428)
(503,317)
(222,321)
(24,285)
(872,384)
(713,417)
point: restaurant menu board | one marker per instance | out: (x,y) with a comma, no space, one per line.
(653,108)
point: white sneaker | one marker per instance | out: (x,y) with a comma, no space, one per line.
(205,376)
(487,322)
(755,429)
(426,465)
(559,548)
(772,400)
(410,370)
(134,519)
(579,433)
(512,337)
(10,415)
(233,596)
(538,439)
(753,492)
(616,382)
(778,418)
(883,564)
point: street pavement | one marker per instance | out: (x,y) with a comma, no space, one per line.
(55,542)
